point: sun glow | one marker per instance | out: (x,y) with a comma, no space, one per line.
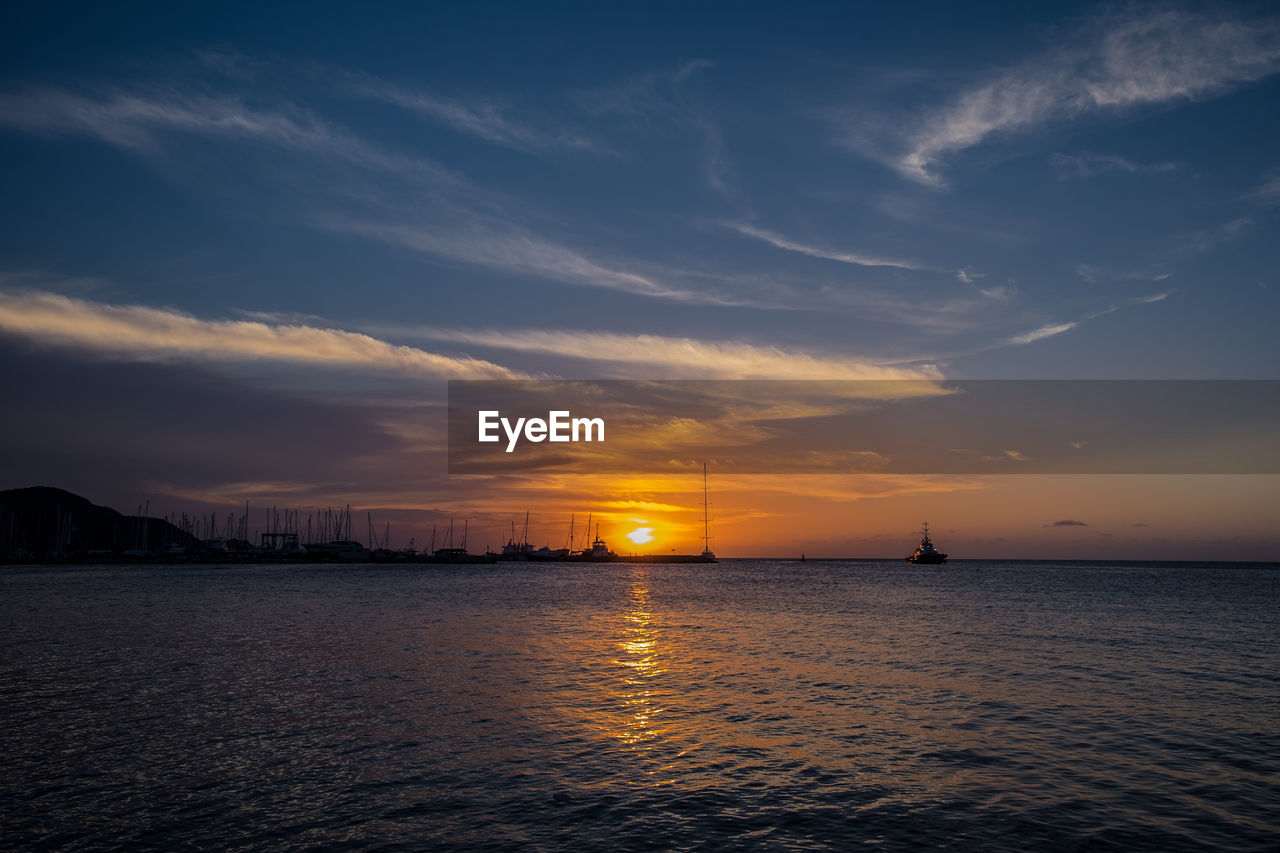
(641,535)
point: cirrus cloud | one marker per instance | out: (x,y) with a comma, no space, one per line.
(142,333)
(1119,62)
(653,356)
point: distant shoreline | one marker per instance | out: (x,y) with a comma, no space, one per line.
(654,560)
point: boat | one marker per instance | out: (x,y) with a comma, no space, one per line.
(522,550)
(598,552)
(451,553)
(513,551)
(338,551)
(708,556)
(455,556)
(926,553)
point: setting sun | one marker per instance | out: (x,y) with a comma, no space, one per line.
(641,535)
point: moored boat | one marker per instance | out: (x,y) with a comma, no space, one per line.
(598,552)
(338,551)
(456,556)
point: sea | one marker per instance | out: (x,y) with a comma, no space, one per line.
(746,705)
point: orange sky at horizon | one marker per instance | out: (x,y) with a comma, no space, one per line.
(1168,517)
(1120,516)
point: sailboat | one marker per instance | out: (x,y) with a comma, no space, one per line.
(707,554)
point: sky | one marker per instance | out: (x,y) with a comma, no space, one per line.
(243,250)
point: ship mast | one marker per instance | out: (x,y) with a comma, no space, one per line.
(706,523)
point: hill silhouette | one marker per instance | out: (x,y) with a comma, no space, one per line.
(43,522)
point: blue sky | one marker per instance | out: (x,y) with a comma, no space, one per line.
(362,203)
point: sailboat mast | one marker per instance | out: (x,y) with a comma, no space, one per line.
(706,524)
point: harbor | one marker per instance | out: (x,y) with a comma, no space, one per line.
(48,525)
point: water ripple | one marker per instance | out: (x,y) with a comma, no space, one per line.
(749,705)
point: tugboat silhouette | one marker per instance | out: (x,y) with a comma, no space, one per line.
(926,553)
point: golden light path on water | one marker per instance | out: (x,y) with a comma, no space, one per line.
(641,667)
(639,719)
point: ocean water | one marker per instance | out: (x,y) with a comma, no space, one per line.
(746,705)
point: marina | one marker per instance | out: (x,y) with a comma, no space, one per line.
(48,525)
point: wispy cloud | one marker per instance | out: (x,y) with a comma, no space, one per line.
(856,258)
(455,219)
(1042,333)
(135,121)
(1089,273)
(666,99)
(1149,299)
(650,97)
(656,356)
(1095,274)
(1037,334)
(1067,522)
(1211,238)
(1087,165)
(141,333)
(509,247)
(1057,329)
(1268,192)
(718,168)
(483,117)
(1183,246)
(1119,62)
(478,117)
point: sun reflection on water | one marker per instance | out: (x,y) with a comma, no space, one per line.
(641,722)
